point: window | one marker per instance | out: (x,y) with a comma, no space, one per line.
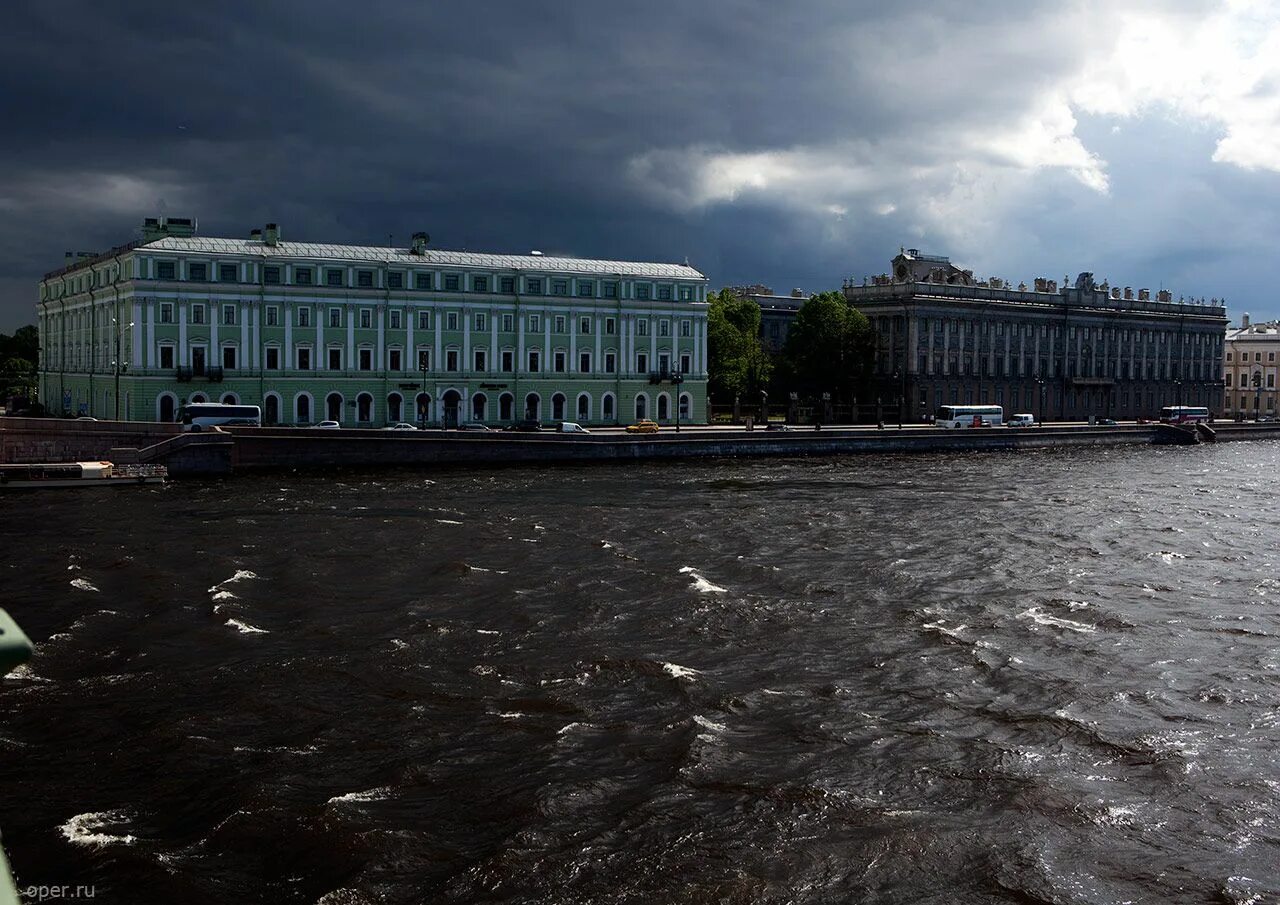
(610,363)
(664,362)
(271,275)
(642,290)
(507,284)
(558,362)
(559,287)
(686,328)
(664,293)
(610,290)
(198,272)
(229,314)
(451,282)
(424,359)
(394,317)
(584,325)
(366,318)
(166,357)
(534,361)
(451,360)
(302,276)
(451,321)
(642,328)
(586,289)
(1228,356)
(395,279)
(1271,381)
(479,320)
(533,285)
(559,323)
(642,362)
(366,359)
(197,314)
(422,281)
(333,277)
(686,293)
(394,359)
(424,320)
(610,326)
(1271,356)
(304,317)
(273,316)
(584,362)
(508,360)
(479,284)
(1257,356)
(273,358)
(479,359)
(227,273)
(229,357)
(508,322)
(335,359)
(166,312)
(304,359)
(165,270)
(685,364)
(664,328)
(364,279)
(535,323)
(335,317)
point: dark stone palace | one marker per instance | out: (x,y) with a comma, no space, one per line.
(1061,353)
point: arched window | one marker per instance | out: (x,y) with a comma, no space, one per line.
(302,405)
(166,407)
(230,399)
(364,408)
(199,397)
(663,414)
(533,407)
(271,409)
(479,402)
(606,407)
(557,407)
(395,407)
(584,407)
(642,407)
(422,405)
(333,407)
(505,403)
(686,407)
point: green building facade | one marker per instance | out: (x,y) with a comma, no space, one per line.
(369,336)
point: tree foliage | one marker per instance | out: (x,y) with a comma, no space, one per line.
(829,346)
(18,356)
(736,362)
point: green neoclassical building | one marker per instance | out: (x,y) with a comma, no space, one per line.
(369,336)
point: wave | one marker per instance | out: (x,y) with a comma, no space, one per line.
(1041,618)
(379,794)
(81,584)
(676,671)
(700,584)
(223,595)
(245,628)
(85,829)
(241,575)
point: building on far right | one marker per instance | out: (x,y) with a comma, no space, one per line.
(1249,370)
(1063,352)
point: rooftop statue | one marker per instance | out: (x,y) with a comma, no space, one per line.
(1085,281)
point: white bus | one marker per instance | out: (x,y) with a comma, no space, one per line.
(953,416)
(1184,414)
(196,416)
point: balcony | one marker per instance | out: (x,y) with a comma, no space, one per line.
(183,374)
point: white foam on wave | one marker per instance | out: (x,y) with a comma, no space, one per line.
(81,584)
(569,727)
(1041,618)
(447,521)
(245,628)
(223,595)
(605,545)
(397,644)
(700,584)
(85,829)
(25,672)
(676,671)
(379,794)
(708,724)
(486,631)
(241,575)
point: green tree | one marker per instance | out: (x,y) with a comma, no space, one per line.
(736,362)
(829,346)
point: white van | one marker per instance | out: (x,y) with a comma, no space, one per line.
(572,427)
(1022,420)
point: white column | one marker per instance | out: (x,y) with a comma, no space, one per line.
(319,355)
(572,364)
(255,333)
(215,355)
(597,363)
(382,359)
(410,352)
(349,354)
(653,344)
(184,353)
(244,358)
(286,311)
(520,362)
(547,319)
(465,364)
(435,361)
(151,335)
(493,363)
(135,335)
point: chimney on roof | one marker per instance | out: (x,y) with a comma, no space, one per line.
(1244,320)
(797,293)
(418,244)
(272,235)
(255,235)
(158,227)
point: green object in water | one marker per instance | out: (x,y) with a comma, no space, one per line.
(15,647)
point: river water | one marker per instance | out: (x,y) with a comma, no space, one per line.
(1022,677)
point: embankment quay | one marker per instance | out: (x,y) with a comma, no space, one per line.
(27,440)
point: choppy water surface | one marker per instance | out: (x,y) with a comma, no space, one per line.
(1036,677)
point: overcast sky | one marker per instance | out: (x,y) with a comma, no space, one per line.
(793,144)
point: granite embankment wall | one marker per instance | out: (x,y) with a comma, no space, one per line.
(248,449)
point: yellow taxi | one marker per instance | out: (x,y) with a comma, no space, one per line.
(643,427)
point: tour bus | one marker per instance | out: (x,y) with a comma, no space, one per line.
(196,416)
(952,416)
(1183,414)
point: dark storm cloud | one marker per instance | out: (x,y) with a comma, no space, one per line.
(613,130)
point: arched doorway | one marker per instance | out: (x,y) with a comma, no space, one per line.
(395,407)
(302,405)
(505,403)
(451,399)
(422,405)
(557,407)
(166,408)
(642,407)
(584,407)
(533,407)
(686,407)
(333,407)
(663,413)
(230,399)
(271,409)
(364,408)
(479,402)
(606,407)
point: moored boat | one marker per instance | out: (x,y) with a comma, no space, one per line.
(79,474)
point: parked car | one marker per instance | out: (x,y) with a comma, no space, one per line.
(527,426)
(329,425)
(1105,422)
(777,426)
(643,427)
(473,426)
(1021,420)
(572,427)
(401,426)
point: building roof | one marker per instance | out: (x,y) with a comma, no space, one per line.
(1258,332)
(430,257)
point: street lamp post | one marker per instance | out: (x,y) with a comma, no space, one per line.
(902,384)
(677,379)
(1040,383)
(422,404)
